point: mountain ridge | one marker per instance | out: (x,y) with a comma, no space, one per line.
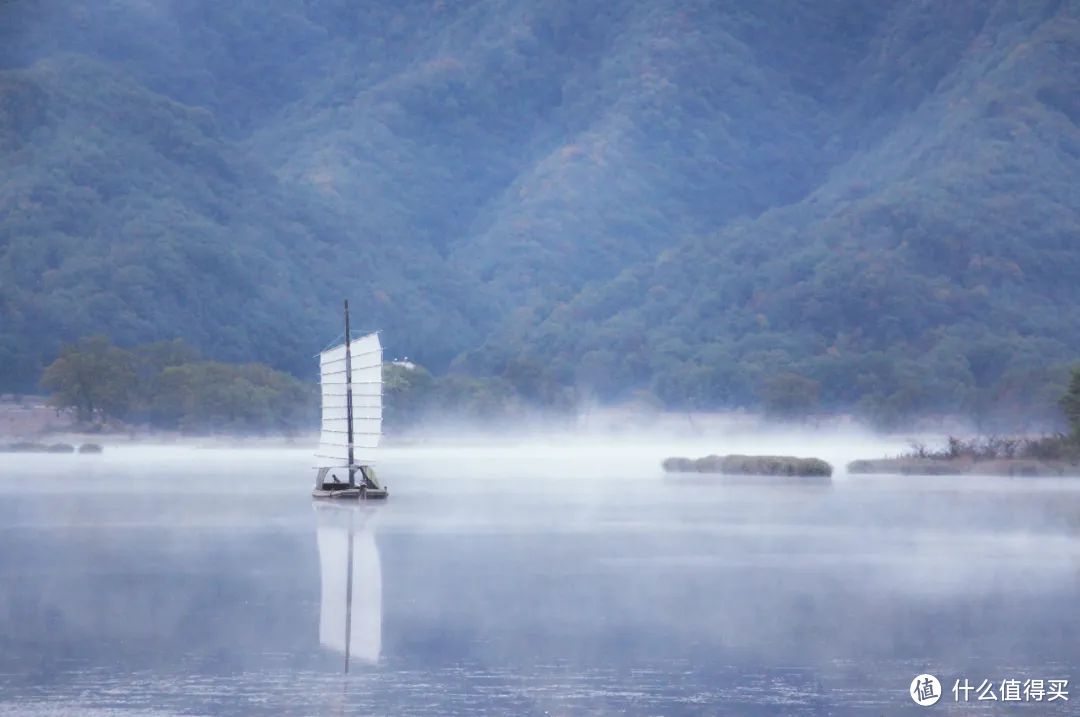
(687,198)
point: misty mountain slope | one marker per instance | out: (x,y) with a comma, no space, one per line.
(708,113)
(423,150)
(935,271)
(243,61)
(542,146)
(128,214)
(862,204)
(690,133)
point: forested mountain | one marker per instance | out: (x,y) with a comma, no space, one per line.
(799,204)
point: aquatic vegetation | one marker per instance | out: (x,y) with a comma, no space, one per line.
(1009,456)
(30,447)
(750,465)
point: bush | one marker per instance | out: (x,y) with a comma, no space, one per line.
(750,465)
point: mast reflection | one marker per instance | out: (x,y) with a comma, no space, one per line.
(350,613)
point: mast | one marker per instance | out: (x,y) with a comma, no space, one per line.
(348,418)
(348,395)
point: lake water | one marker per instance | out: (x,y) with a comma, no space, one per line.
(556,579)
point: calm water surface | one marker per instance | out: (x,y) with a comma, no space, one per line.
(538,581)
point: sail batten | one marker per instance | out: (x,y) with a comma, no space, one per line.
(364,382)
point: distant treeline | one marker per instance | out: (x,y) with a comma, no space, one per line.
(413,394)
(168,385)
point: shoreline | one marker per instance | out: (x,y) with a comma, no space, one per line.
(965,466)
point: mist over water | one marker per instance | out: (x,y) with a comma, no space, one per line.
(562,575)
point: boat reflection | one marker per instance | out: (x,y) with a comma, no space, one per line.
(350,614)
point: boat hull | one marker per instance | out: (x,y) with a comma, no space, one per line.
(356,493)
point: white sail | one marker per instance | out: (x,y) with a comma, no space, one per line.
(366,362)
(361,626)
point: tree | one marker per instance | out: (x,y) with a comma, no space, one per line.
(160,355)
(93,377)
(407,392)
(165,385)
(1070,403)
(789,395)
(213,396)
(535,383)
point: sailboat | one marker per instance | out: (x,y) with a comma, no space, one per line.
(351,378)
(350,611)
